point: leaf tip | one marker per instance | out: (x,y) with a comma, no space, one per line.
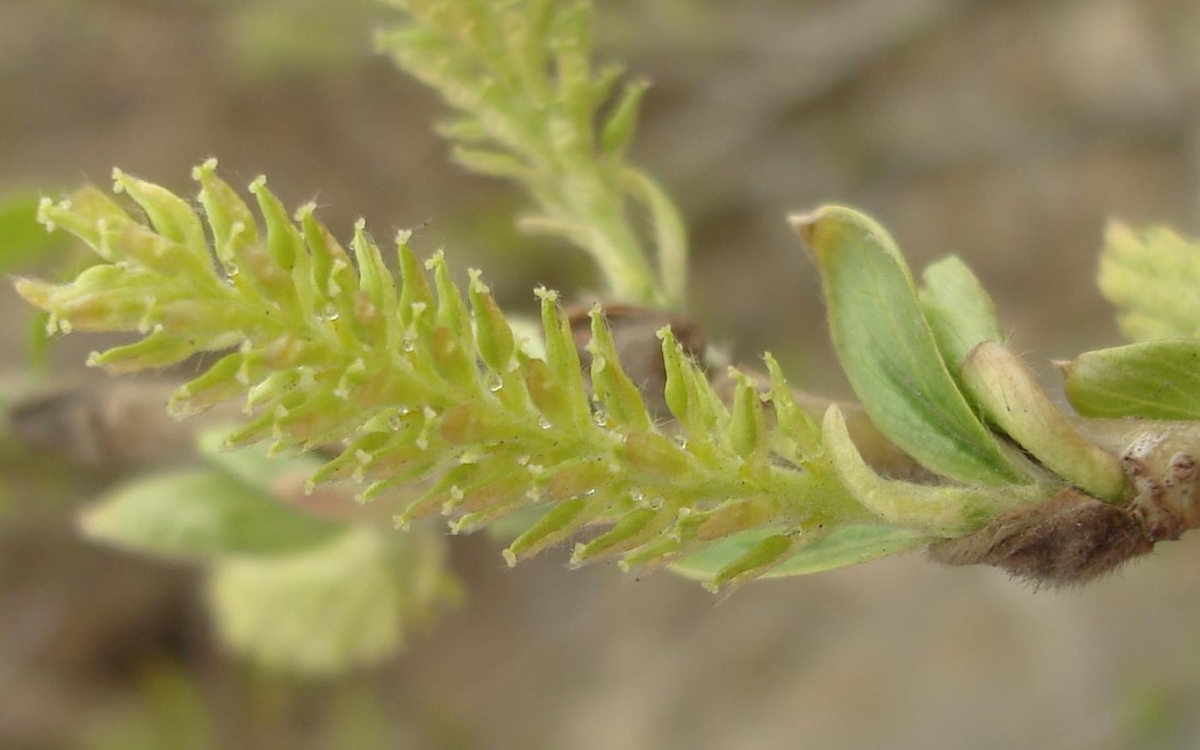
(805,224)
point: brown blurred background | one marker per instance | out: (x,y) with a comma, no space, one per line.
(1004,131)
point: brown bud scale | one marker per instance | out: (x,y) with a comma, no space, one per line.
(1073,538)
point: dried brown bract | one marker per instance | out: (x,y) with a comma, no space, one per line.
(1073,538)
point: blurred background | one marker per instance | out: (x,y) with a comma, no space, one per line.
(1004,131)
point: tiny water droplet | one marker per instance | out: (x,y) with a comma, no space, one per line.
(395,422)
(231,269)
(494,383)
(544,423)
(329,314)
(456,492)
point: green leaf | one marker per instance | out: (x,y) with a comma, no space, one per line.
(959,310)
(849,545)
(999,383)
(846,545)
(1152,380)
(1152,276)
(200,514)
(888,351)
(347,602)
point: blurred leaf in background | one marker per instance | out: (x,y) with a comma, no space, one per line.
(171,709)
(168,711)
(273,38)
(23,240)
(291,590)
(25,243)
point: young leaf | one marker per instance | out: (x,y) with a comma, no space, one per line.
(888,351)
(998,382)
(1011,398)
(1151,380)
(846,545)
(849,545)
(959,310)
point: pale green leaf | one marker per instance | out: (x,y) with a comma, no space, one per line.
(1151,380)
(349,601)
(959,310)
(1153,278)
(888,351)
(200,514)
(846,545)
(1000,384)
